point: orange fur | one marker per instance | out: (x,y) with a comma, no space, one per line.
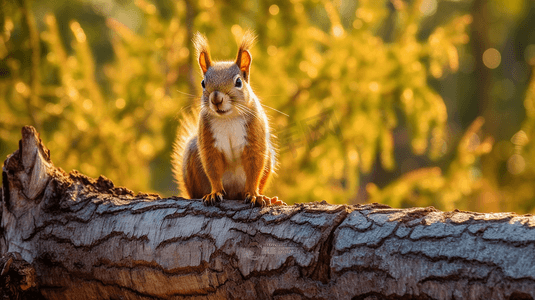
(201,45)
(196,183)
(187,131)
(247,42)
(254,155)
(200,163)
(244,58)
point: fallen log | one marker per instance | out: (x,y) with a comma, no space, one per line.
(86,238)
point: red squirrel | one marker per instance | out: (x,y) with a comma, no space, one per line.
(226,151)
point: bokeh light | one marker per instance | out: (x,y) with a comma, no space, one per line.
(405,81)
(428,7)
(516,164)
(120,103)
(492,58)
(274,9)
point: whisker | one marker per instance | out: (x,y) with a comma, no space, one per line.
(280,112)
(185,107)
(240,111)
(194,105)
(264,105)
(187,94)
(248,110)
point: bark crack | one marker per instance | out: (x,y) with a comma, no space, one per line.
(322,270)
(5,189)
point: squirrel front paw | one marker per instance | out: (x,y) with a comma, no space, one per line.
(276,201)
(212,198)
(255,199)
(261,200)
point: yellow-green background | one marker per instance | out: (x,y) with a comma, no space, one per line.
(373,101)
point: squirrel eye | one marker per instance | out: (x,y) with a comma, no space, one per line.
(202,84)
(238,83)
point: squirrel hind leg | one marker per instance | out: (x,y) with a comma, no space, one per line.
(263,200)
(195,181)
(266,174)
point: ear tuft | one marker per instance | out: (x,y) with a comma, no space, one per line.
(201,45)
(248,40)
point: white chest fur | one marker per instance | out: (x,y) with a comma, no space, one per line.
(229,136)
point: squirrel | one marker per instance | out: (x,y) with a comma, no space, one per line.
(226,150)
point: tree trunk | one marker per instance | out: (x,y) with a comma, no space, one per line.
(87,239)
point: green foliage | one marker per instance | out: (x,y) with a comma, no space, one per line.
(339,80)
(428,186)
(519,191)
(367,82)
(116,129)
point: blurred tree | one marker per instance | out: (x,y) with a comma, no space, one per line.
(364,86)
(351,88)
(518,186)
(428,186)
(116,132)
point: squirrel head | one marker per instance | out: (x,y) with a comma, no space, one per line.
(226,89)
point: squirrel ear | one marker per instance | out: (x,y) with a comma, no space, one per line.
(204,61)
(244,56)
(201,45)
(244,62)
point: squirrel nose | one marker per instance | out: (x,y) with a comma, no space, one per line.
(216,98)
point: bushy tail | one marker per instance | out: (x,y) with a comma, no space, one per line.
(187,129)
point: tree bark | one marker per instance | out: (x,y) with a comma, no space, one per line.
(86,238)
